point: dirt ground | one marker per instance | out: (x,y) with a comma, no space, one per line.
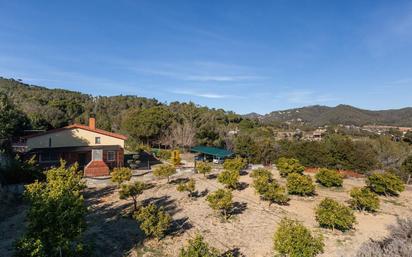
(248,233)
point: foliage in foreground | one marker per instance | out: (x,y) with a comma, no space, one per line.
(406,168)
(203,168)
(120,175)
(298,184)
(189,186)
(268,188)
(236,164)
(153,221)
(261,172)
(289,165)
(221,200)
(56,217)
(329,178)
(164,171)
(385,184)
(364,199)
(334,215)
(295,240)
(397,244)
(198,248)
(229,178)
(133,191)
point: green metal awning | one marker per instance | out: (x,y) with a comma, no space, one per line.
(218,152)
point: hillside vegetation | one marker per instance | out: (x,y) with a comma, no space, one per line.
(342,114)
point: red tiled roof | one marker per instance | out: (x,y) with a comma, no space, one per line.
(79,126)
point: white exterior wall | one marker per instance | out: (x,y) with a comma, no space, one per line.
(72,137)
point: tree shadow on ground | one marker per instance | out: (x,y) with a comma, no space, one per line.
(238,208)
(243,173)
(94,196)
(165,201)
(211,176)
(203,193)
(235,252)
(242,186)
(178,181)
(179,226)
(110,233)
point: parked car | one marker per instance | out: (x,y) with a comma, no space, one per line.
(218,160)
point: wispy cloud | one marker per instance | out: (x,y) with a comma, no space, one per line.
(305,97)
(203,94)
(199,72)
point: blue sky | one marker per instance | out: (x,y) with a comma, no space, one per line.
(246,56)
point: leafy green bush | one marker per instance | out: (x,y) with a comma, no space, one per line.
(275,193)
(385,183)
(300,184)
(289,165)
(56,216)
(261,172)
(120,175)
(230,178)
(331,214)
(406,168)
(189,186)
(236,164)
(164,154)
(133,191)
(295,240)
(198,248)
(270,190)
(20,171)
(221,200)
(364,199)
(164,171)
(153,221)
(203,168)
(329,178)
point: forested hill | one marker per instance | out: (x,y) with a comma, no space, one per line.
(142,118)
(342,114)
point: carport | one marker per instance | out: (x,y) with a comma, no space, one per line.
(212,152)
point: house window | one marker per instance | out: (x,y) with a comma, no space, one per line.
(97,140)
(111,156)
(49,157)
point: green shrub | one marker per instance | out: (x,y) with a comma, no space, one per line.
(329,178)
(385,183)
(164,154)
(364,199)
(221,200)
(406,168)
(289,165)
(331,214)
(203,168)
(295,240)
(198,248)
(133,191)
(300,184)
(189,186)
(164,171)
(120,175)
(270,190)
(230,178)
(275,193)
(153,221)
(261,172)
(56,218)
(236,164)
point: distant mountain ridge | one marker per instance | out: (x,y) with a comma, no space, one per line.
(318,115)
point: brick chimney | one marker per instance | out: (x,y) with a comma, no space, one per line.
(92,121)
